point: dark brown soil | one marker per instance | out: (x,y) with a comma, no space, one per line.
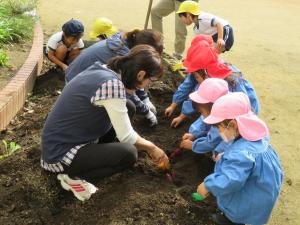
(141,195)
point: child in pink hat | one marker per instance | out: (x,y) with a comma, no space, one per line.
(202,61)
(202,100)
(247,179)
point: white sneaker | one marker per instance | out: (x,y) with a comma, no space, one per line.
(80,188)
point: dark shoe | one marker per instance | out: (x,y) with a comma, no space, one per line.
(221,219)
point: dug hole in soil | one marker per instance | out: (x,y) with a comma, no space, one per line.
(140,195)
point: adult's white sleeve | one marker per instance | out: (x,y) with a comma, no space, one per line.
(117,112)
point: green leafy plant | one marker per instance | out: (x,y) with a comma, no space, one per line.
(14,25)
(3,59)
(9,148)
(16,7)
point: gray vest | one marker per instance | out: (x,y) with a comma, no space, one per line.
(74,120)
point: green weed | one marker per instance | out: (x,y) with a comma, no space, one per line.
(14,25)
(3,59)
(9,148)
(17,7)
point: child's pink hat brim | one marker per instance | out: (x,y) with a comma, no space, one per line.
(209,91)
(196,98)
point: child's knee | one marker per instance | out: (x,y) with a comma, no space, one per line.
(73,54)
(61,52)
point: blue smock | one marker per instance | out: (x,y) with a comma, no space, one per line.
(246,181)
(212,141)
(181,96)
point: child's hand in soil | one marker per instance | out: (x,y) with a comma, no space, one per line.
(188,136)
(176,121)
(64,67)
(202,190)
(186,144)
(169,111)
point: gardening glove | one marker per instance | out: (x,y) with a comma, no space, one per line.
(150,105)
(152,118)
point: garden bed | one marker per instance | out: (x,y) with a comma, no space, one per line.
(17,54)
(141,195)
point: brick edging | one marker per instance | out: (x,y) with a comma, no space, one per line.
(14,94)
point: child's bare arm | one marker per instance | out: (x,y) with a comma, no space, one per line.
(220,41)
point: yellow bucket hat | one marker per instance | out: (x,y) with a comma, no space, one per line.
(189,7)
(102,26)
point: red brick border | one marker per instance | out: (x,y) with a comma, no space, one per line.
(14,94)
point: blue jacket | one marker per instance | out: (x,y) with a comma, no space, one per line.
(198,128)
(141,107)
(182,94)
(190,84)
(246,181)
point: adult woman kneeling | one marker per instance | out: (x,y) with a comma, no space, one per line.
(79,133)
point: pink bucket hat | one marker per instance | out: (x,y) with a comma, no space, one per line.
(237,106)
(210,90)
(203,55)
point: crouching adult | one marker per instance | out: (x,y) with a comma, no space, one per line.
(79,136)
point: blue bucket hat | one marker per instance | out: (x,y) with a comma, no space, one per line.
(73,28)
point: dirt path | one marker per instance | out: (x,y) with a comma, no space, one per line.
(267,48)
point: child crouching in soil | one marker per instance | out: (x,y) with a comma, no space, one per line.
(209,140)
(247,178)
(64,46)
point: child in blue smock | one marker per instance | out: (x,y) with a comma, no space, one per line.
(247,178)
(202,62)
(208,92)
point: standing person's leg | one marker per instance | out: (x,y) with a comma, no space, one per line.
(180,34)
(160,10)
(95,161)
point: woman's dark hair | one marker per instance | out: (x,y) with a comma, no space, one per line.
(140,57)
(147,37)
